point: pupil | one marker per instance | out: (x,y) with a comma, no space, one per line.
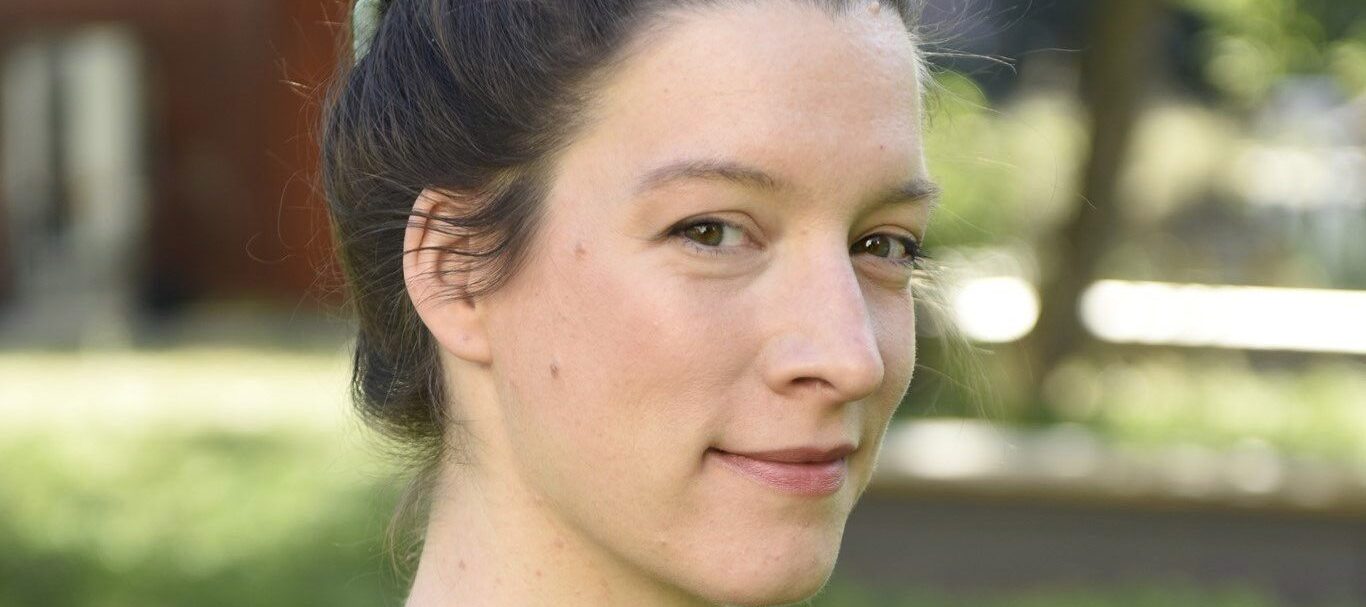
(708,234)
(881,248)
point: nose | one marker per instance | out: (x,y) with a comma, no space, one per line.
(823,337)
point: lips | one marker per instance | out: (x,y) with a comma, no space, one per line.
(805,471)
(800,455)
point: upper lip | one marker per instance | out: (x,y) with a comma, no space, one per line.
(799,455)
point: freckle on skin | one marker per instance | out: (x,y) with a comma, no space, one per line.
(554,370)
(462,563)
(579,250)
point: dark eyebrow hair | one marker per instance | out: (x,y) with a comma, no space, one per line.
(916,190)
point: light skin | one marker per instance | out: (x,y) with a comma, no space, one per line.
(593,384)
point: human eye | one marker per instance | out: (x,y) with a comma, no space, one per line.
(904,251)
(710,235)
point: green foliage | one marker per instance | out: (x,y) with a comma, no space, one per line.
(228,519)
(1006,173)
(205,519)
(1251,44)
(144,509)
(1219,402)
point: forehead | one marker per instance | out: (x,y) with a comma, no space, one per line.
(778,84)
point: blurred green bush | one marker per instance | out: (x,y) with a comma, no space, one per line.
(229,519)
(205,519)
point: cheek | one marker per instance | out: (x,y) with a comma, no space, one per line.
(895,326)
(603,368)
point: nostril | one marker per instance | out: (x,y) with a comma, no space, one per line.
(814,382)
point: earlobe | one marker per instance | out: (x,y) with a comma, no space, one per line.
(436,282)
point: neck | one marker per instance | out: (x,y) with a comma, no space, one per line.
(490,542)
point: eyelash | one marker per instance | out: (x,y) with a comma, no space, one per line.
(912,261)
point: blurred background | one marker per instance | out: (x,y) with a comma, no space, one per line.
(1153,241)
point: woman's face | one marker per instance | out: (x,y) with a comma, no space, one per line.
(629,349)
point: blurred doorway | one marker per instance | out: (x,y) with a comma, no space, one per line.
(73,185)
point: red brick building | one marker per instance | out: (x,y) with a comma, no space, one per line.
(189,125)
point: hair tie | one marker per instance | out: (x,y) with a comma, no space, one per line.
(365,18)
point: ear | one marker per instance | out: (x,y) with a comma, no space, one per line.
(436,284)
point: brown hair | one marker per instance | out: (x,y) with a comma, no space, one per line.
(471,98)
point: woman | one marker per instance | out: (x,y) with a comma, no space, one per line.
(634,284)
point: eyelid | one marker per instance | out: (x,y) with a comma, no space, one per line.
(909,241)
(677,232)
(914,250)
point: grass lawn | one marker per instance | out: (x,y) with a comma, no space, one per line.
(230,478)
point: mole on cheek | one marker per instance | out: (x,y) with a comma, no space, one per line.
(554,369)
(579,250)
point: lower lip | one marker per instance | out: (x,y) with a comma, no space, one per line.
(815,479)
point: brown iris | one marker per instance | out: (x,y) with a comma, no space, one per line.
(705,233)
(877,245)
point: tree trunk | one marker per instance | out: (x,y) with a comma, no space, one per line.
(1114,66)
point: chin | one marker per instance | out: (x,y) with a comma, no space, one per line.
(780,583)
(765,593)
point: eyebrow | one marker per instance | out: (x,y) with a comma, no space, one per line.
(915,190)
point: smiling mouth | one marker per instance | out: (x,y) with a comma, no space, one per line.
(818,478)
